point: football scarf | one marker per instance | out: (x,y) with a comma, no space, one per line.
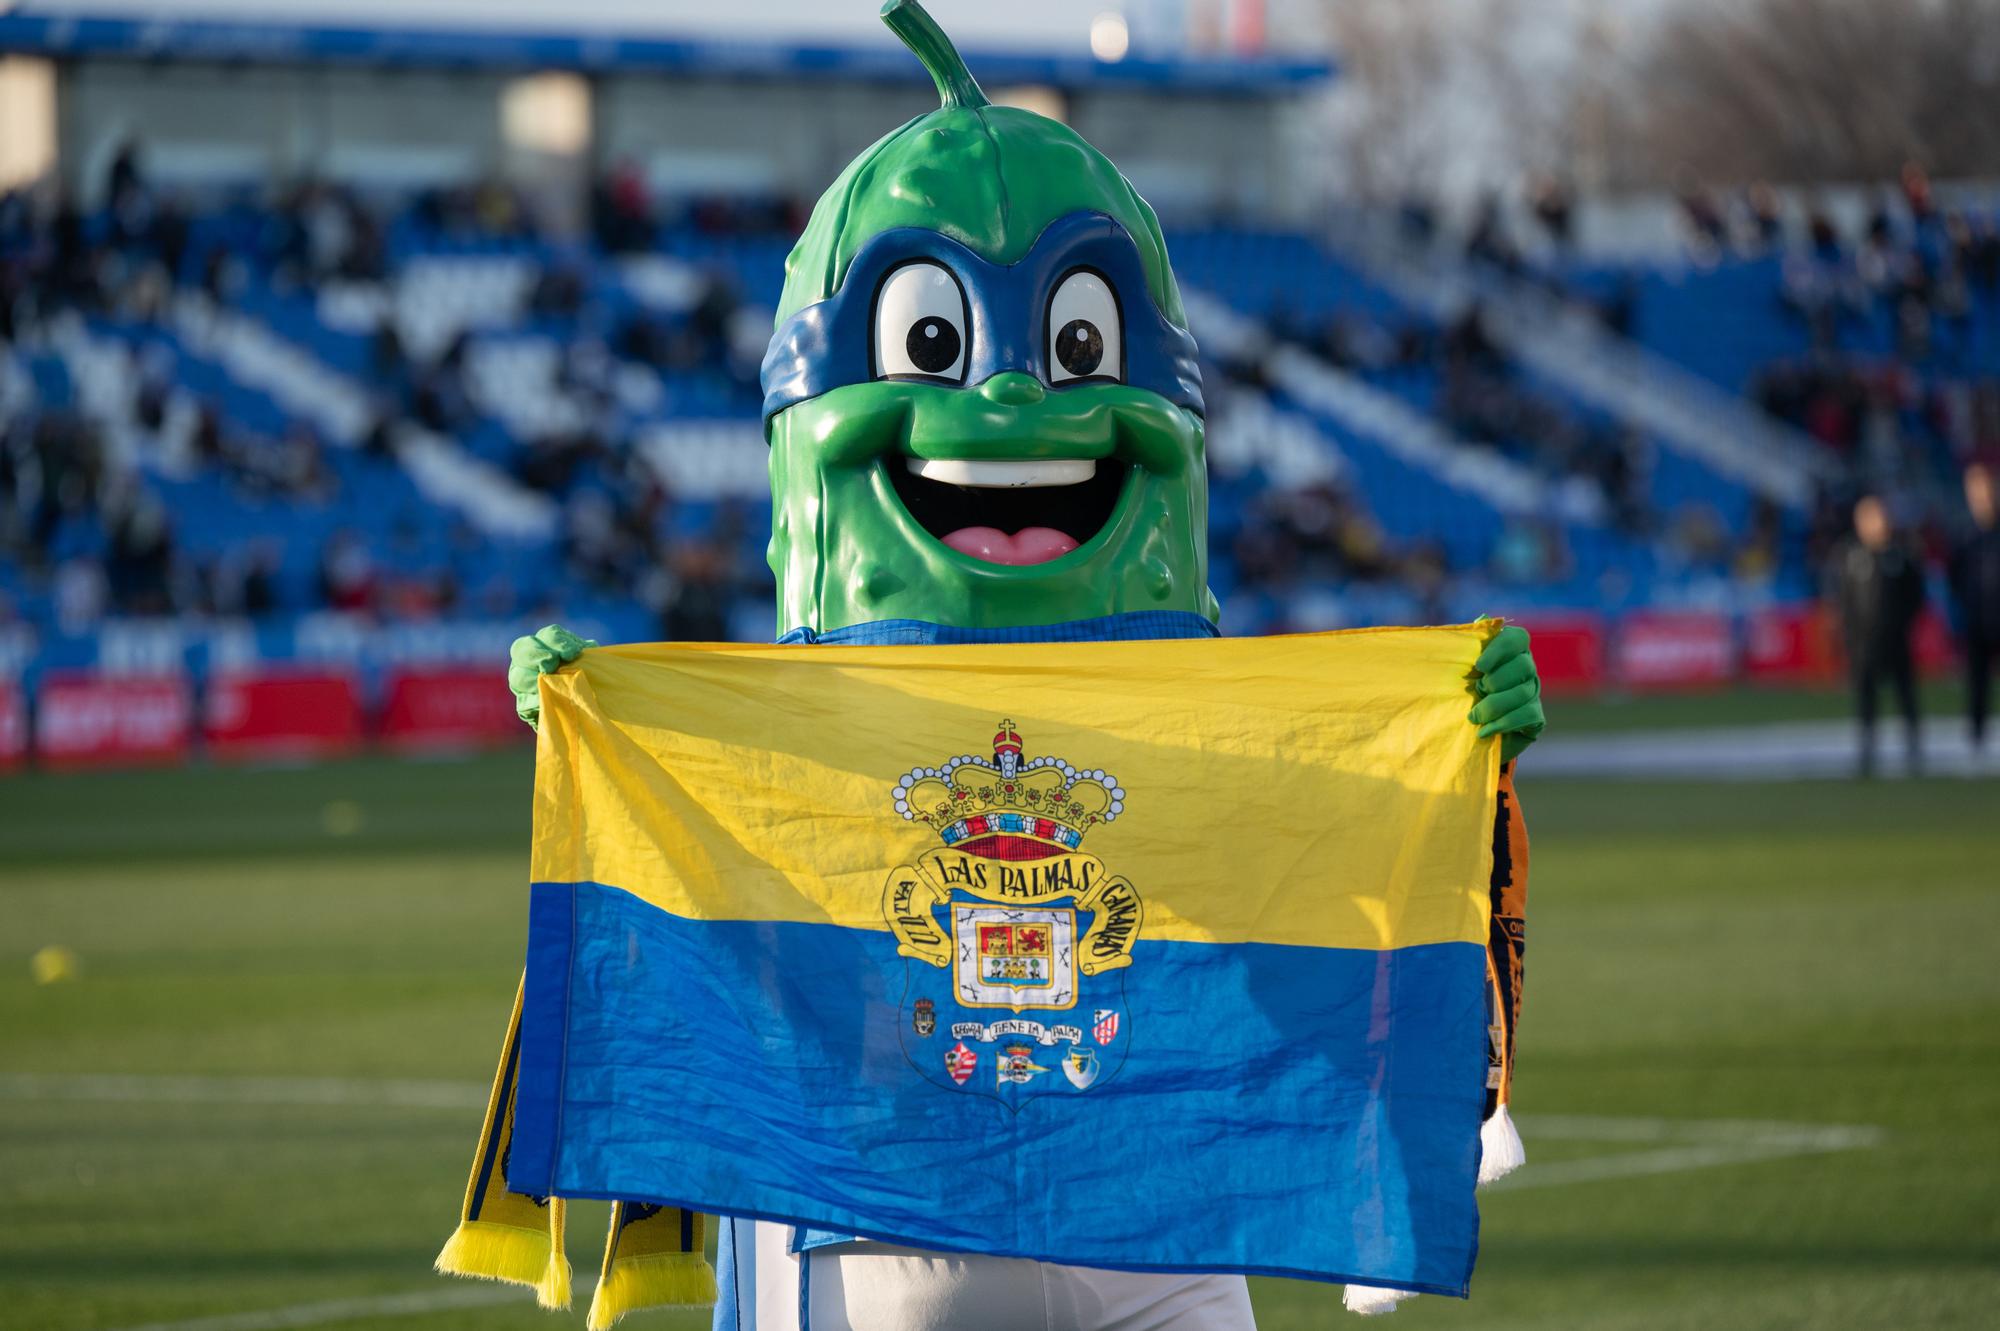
(653,1256)
(509,1236)
(1506,950)
(653,1259)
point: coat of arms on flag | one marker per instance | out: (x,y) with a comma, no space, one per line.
(959,1063)
(1025,925)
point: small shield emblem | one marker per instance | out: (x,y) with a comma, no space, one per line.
(1106,1025)
(959,1062)
(923,1017)
(1080,1066)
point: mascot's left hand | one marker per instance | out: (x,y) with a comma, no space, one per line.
(1510,703)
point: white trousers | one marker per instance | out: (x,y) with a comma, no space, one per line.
(865,1286)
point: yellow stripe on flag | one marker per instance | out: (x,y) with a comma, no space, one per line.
(1274,790)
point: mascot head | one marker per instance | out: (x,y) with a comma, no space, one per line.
(981,398)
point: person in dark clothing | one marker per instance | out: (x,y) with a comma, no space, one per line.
(1878,588)
(697,607)
(1975,585)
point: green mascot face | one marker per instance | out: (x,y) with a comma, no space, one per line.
(981,398)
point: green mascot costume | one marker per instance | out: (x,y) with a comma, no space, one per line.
(986,425)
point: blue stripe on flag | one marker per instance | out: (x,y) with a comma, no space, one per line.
(1277,1110)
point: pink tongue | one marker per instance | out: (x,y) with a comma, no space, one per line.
(1030,545)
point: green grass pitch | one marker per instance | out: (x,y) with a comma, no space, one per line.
(1703,961)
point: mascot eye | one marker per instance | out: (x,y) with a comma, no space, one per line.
(1085,340)
(920,322)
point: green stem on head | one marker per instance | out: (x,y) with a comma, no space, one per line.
(920,32)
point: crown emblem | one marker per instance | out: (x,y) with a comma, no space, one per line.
(1004,808)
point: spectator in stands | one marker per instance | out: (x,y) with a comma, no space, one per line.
(699,595)
(1468,342)
(621,211)
(73,263)
(131,202)
(388,362)
(440,402)
(1916,183)
(497,210)
(245,583)
(1822,236)
(1698,540)
(1555,210)
(346,574)
(66,459)
(557,293)
(1978,249)
(1877,586)
(139,564)
(1488,240)
(1703,217)
(1760,554)
(300,468)
(1619,311)
(1530,552)
(1975,586)
(79,594)
(709,319)
(1619,459)
(1767,217)
(1416,218)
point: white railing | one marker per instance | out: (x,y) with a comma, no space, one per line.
(1396,426)
(1568,345)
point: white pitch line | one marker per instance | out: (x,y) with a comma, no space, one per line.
(1765,1132)
(1697,1144)
(341,1310)
(1786,751)
(1639,1164)
(1683,1144)
(289,1091)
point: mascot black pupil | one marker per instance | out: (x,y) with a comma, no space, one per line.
(933,345)
(1080,347)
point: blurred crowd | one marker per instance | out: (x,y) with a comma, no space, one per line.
(81,524)
(1895,374)
(80,521)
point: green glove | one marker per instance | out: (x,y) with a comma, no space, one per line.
(1510,703)
(543,654)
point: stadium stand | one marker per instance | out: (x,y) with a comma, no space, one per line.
(322,425)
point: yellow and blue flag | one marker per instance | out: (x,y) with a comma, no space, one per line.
(1148,955)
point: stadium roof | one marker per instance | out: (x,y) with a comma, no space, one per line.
(619,36)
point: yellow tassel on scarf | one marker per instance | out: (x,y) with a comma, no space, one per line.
(654,1258)
(504,1235)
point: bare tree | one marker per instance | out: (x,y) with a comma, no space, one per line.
(1819,90)
(1393,57)
(1460,96)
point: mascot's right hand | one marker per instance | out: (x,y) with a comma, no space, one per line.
(544,653)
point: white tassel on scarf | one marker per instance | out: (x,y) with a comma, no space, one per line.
(1500,1149)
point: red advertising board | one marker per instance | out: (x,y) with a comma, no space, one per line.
(13,725)
(1569,652)
(1803,644)
(1674,650)
(88,720)
(450,708)
(281,714)
(1790,644)
(1932,646)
